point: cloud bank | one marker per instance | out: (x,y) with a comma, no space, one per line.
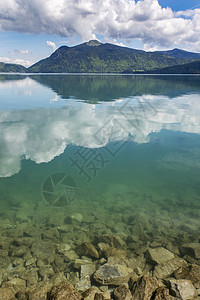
(19,61)
(145,20)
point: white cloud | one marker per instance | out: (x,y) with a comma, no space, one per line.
(145,20)
(18,51)
(24,51)
(18,61)
(188,13)
(52,45)
(150,48)
(114,41)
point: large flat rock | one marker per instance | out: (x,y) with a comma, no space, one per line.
(167,268)
(182,288)
(112,274)
(158,255)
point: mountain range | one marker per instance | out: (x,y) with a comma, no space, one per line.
(12,68)
(96,57)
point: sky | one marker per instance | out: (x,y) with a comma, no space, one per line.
(31,30)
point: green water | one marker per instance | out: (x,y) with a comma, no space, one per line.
(122,151)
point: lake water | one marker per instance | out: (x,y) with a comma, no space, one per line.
(100,154)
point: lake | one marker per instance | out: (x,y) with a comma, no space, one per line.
(83,156)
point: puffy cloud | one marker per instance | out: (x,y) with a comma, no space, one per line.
(52,45)
(145,20)
(19,61)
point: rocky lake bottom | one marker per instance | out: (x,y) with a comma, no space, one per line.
(118,249)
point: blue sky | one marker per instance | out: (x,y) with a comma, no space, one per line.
(178,5)
(32,29)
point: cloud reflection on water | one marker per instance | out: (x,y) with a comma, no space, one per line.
(41,134)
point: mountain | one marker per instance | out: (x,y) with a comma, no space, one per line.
(95,57)
(12,68)
(178,53)
(189,68)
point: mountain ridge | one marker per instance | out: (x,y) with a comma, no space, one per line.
(188,68)
(96,57)
(179,53)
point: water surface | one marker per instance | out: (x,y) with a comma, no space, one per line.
(122,151)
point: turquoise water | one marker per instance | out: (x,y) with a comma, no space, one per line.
(121,151)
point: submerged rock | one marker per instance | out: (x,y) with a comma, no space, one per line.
(74,219)
(112,274)
(89,294)
(181,288)
(114,252)
(130,262)
(58,278)
(77,217)
(122,293)
(191,272)
(6,294)
(22,295)
(102,296)
(167,268)
(63,248)
(31,276)
(87,249)
(63,292)
(133,279)
(70,255)
(158,255)
(15,284)
(162,293)
(192,249)
(30,262)
(83,284)
(113,240)
(80,262)
(52,234)
(46,272)
(40,292)
(144,288)
(43,250)
(87,269)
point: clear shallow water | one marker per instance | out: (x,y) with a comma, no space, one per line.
(124,150)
